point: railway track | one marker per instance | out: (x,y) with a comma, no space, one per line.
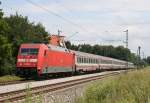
(21,94)
(15,82)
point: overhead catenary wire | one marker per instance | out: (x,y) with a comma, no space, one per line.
(57,15)
(61,17)
(66,20)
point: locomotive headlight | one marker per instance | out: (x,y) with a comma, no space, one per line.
(21,60)
(33,60)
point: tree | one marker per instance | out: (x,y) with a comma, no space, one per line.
(115,52)
(68,44)
(23,31)
(6,60)
(85,48)
(14,31)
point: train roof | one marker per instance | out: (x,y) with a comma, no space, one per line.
(78,53)
(57,48)
(31,45)
(83,54)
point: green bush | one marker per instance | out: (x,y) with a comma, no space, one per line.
(132,87)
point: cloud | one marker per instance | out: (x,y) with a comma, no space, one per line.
(97,20)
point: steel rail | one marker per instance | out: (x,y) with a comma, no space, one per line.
(15,82)
(21,94)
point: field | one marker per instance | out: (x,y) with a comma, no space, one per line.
(133,87)
(9,78)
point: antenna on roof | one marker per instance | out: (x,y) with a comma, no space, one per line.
(57,40)
(59,31)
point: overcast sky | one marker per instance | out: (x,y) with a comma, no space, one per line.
(96,21)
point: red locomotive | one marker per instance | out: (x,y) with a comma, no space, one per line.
(42,59)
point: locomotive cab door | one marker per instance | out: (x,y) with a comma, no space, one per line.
(45,63)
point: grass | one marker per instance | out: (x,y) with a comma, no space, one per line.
(133,87)
(9,78)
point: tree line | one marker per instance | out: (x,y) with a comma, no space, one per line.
(17,29)
(105,50)
(118,52)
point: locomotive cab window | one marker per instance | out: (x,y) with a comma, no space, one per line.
(33,51)
(24,51)
(29,51)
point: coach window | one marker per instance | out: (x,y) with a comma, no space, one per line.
(81,60)
(90,60)
(102,61)
(97,61)
(77,59)
(84,60)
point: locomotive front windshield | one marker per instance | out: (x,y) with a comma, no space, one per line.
(29,51)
